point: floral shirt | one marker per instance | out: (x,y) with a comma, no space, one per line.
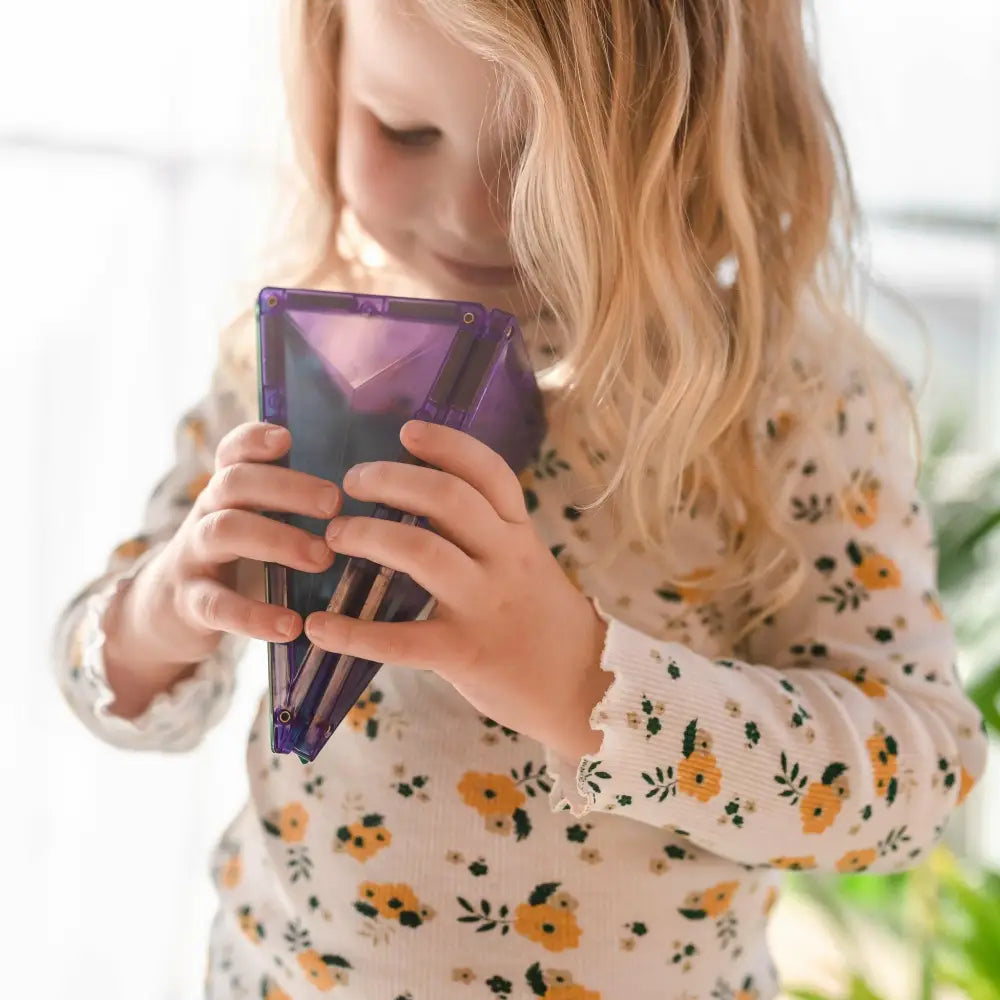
(430,853)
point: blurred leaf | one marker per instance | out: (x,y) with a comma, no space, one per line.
(985,692)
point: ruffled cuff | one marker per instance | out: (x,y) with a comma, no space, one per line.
(175,719)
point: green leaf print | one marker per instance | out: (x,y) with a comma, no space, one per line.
(690,732)
(542,893)
(271,828)
(365,909)
(854,553)
(793,784)
(536,980)
(338,961)
(668,594)
(832,773)
(752,732)
(592,773)
(371,728)
(484,916)
(522,825)
(372,819)
(478,868)
(550,464)
(894,841)
(299,863)
(850,595)
(663,785)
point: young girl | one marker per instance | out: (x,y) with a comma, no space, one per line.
(696,644)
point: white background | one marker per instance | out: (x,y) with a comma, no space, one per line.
(136,145)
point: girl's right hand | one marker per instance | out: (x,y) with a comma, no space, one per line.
(195,574)
(196,587)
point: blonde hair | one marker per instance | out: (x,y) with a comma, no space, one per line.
(711,209)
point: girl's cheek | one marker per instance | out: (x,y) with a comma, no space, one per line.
(377,180)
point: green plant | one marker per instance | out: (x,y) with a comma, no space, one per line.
(967,527)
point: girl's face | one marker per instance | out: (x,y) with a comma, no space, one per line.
(420,152)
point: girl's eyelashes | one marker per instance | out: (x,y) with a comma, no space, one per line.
(413,138)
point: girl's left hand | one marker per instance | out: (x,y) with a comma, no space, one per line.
(509,631)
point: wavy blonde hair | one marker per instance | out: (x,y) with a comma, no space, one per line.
(711,209)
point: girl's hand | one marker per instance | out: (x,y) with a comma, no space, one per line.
(203,574)
(200,584)
(509,631)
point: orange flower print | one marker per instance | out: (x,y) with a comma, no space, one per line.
(821,803)
(194,427)
(293,822)
(861,501)
(857,861)
(249,924)
(361,717)
(272,991)
(290,824)
(388,899)
(393,901)
(698,774)
(323,971)
(933,604)
(689,592)
(490,794)
(717,900)
(871,686)
(797,864)
(364,839)
(131,548)
(231,872)
(554,929)
(966,786)
(878,572)
(557,983)
(571,992)
(882,750)
(196,485)
(712,902)
(780,425)
(770,899)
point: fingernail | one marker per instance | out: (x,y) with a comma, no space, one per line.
(274,436)
(333,528)
(329,498)
(286,625)
(354,474)
(320,551)
(415,430)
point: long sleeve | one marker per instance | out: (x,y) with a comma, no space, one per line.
(842,738)
(177,719)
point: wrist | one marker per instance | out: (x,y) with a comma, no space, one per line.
(576,738)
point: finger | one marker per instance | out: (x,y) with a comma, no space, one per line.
(470,460)
(254,441)
(225,535)
(251,486)
(435,564)
(209,605)
(458,511)
(427,645)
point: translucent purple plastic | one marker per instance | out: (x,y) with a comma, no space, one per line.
(343,373)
